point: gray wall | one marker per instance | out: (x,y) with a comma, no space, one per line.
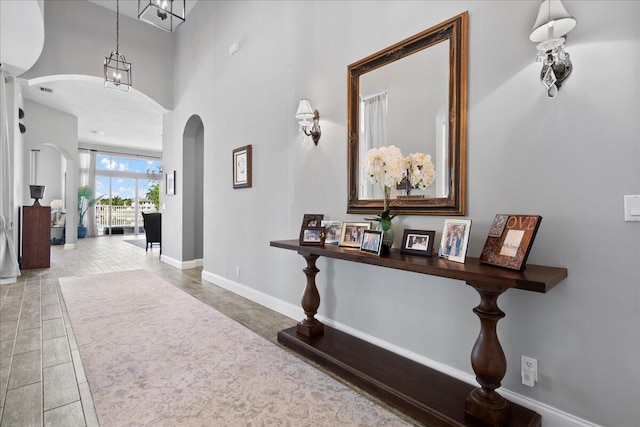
(570,160)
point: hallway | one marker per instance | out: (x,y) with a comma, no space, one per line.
(42,380)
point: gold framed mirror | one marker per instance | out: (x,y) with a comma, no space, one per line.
(412,95)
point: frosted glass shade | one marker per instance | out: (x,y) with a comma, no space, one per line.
(552,13)
(304,110)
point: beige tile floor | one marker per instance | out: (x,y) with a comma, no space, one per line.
(42,380)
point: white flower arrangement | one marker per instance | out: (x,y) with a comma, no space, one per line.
(421,170)
(386,166)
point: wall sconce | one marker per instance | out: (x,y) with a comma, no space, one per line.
(305,112)
(549,31)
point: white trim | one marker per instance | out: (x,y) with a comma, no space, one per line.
(182,265)
(8,280)
(551,417)
(71,246)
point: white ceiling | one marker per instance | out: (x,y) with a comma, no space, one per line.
(130,120)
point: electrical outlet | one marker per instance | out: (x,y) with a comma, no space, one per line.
(237,271)
(529,371)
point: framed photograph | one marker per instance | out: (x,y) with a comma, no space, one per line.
(333,232)
(455,237)
(242,167)
(312,236)
(371,242)
(509,241)
(352,233)
(171,183)
(312,220)
(418,242)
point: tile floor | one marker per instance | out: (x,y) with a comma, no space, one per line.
(42,380)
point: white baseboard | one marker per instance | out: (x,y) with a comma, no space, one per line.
(182,265)
(71,246)
(8,280)
(551,417)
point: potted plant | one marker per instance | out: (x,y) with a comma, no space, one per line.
(84,203)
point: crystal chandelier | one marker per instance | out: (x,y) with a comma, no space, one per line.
(117,71)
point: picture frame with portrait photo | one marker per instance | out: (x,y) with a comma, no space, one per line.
(418,242)
(352,233)
(371,242)
(312,220)
(312,236)
(242,165)
(333,232)
(509,240)
(455,238)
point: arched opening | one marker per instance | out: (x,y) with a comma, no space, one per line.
(193,190)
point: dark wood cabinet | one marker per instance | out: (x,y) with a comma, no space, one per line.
(36,235)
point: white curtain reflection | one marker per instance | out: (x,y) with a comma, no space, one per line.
(87,160)
(373,134)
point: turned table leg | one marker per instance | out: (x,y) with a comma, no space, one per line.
(310,300)
(488,361)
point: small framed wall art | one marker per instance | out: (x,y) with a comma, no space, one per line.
(170,183)
(455,237)
(242,167)
(371,242)
(509,241)
(312,236)
(418,242)
(352,233)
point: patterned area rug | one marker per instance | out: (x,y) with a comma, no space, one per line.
(155,356)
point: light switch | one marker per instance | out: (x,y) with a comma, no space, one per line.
(632,208)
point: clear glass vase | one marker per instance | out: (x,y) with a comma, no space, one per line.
(387,238)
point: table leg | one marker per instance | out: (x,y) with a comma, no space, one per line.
(488,361)
(310,300)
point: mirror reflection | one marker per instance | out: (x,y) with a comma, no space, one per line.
(412,95)
(405,104)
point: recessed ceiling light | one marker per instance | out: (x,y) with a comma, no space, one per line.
(98,132)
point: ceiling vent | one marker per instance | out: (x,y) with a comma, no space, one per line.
(46,89)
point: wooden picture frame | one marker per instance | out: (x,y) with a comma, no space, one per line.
(418,242)
(242,166)
(312,220)
(312,236)
(170,183)
(352,233)
(371,242)
(455,238)
(333,232)
(509,240)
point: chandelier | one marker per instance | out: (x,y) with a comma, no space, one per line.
(117,71)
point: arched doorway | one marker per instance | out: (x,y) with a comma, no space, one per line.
(193,190)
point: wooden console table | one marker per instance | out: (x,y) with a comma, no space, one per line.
(423,393)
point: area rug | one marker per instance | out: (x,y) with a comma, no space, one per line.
(156,356)
(141,243)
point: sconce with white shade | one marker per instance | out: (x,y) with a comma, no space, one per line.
(164,14)
(549,31)
(305,113)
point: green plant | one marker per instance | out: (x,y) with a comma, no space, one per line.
(153,194)
(85,202)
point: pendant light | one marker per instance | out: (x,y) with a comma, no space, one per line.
(117,71)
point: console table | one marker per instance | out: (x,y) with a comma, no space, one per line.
(423,393)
